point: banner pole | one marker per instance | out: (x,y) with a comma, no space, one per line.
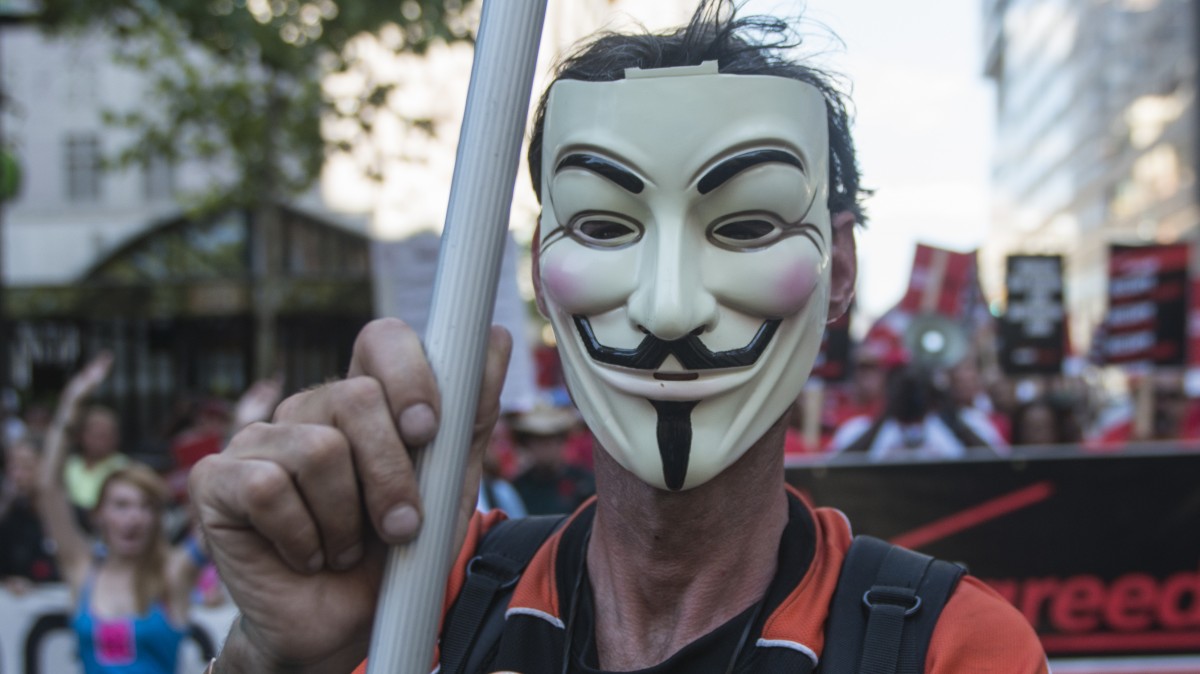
(409,611)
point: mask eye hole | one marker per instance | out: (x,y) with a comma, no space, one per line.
(744,232)
(604,230)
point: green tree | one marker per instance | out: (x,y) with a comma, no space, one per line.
(238,84)
(240,81)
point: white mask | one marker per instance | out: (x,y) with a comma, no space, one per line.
(684,259)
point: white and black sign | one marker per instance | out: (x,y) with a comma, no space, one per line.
(1032,332)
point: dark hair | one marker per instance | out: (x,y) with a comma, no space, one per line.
(911,394)
(1063,416)
(747,46)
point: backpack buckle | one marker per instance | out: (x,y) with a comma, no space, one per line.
(498,569)
(894,596)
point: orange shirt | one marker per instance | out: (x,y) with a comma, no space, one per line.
(979,632)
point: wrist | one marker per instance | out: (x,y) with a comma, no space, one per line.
(243,654)
(239,654)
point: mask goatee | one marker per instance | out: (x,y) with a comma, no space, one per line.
(674,439)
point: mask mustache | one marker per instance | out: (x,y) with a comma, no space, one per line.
(688,350)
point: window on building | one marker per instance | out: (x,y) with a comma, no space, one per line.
(82,75)
(158,178)
(82,164)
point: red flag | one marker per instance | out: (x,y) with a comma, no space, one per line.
(942,282)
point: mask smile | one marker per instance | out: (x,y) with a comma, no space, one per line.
(674,430)
(689,350)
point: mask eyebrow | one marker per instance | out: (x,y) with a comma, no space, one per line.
(727,169)
(615,173)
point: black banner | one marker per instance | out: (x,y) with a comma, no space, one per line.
(1032,336)
(1147,305)
(1100,552)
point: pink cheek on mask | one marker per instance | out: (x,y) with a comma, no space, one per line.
(795,287)
(561,284)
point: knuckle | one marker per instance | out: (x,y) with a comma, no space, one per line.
(201,476)
(253,437)
(263,486)
(382,330)
(289,407)
(324,450)
(360,393)
(255,433)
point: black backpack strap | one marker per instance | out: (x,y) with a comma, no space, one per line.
(475,621)
(885,608)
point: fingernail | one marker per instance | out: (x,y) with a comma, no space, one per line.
(418,424)
(349,557)
(316,562)
(401,523)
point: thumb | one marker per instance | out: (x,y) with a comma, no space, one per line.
(495,368)
(487,413)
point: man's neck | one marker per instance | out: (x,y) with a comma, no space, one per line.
(667,568)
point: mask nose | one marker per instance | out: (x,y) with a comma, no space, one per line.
(671,300)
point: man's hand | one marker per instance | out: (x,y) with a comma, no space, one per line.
(298,511)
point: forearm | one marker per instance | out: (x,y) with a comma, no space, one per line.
(54,447)
(71,548)
(54,453)
(54,505)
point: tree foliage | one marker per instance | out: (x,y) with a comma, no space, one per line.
(238,83)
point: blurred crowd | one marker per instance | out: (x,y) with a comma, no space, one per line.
(72,458)
(889,406)
(65,468)
(77,508)
(894,405)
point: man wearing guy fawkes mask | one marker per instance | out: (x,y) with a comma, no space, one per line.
(698,202)
(699,194)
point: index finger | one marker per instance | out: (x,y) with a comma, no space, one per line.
(390,351)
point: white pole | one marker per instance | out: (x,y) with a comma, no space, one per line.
(414,582)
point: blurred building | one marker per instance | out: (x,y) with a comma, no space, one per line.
(96,258)
(1097,130)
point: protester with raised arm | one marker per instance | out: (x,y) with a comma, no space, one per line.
(132,595)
